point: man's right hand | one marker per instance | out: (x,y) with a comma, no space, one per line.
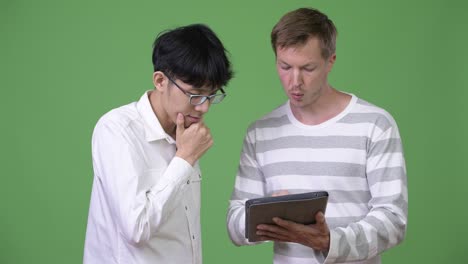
(192,142)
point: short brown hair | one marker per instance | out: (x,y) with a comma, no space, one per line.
(296,27)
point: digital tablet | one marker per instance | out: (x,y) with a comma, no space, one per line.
(299,208)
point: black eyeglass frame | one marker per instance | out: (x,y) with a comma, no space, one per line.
(213,99)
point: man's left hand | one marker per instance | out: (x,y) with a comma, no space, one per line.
(316,236)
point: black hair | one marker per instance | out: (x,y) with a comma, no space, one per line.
(193,54)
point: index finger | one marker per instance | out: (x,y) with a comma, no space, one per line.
(180,122)
(289,225)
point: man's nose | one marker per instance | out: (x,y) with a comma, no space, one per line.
(296,78)
(204,107)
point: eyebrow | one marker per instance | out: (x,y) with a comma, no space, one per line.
(204,90)
(313,64)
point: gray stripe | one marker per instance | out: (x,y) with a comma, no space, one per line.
(240,195)
(357,197)
(335,196)
(392,145)
(362,246)
(397,200)
(273,122)
(343,247)
(379,120)
(400,226)
(382,233)
(251,173)
(386,174)
(297,251)
(314,169)
(350,142)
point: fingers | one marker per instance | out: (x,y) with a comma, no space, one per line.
(316,236)
(272,229)
(192,142)
(289,225)
(320,218)
(203,132)
(180,122)
(280,193)
(272,232)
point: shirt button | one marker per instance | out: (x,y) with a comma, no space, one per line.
(188,181)
(193,236)
(186,208)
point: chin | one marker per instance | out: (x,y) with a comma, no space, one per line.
(298,104)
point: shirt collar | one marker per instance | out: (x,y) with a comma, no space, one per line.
(153,128)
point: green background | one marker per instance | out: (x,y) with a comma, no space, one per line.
(63,64)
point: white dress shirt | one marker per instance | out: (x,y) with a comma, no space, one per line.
(145,202)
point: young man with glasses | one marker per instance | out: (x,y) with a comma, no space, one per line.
(145,201)
(322,139)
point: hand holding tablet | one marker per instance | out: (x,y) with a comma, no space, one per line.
(299,208)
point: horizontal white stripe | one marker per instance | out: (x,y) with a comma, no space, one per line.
(346,210)
(338,129)
(386,160)
(351,238)
(387,188)
(250,186)
(329,183)
(316,155)
(370,109)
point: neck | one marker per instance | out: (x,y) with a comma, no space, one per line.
(328,104)
(163,117)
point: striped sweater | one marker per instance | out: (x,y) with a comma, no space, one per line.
(356,156)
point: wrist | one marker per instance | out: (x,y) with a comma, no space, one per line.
(326,243)
(187,158)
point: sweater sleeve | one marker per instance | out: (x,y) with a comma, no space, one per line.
(385,224)
(249,184)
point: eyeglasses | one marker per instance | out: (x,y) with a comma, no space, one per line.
(197,99)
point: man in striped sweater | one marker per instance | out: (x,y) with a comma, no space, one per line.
(322,139)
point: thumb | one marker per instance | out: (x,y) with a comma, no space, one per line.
(320,218)
(180,122)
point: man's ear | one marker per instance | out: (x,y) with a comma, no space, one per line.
(159,81)
(331,61)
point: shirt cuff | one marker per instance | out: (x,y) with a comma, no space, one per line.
(333,250)
(177,173)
